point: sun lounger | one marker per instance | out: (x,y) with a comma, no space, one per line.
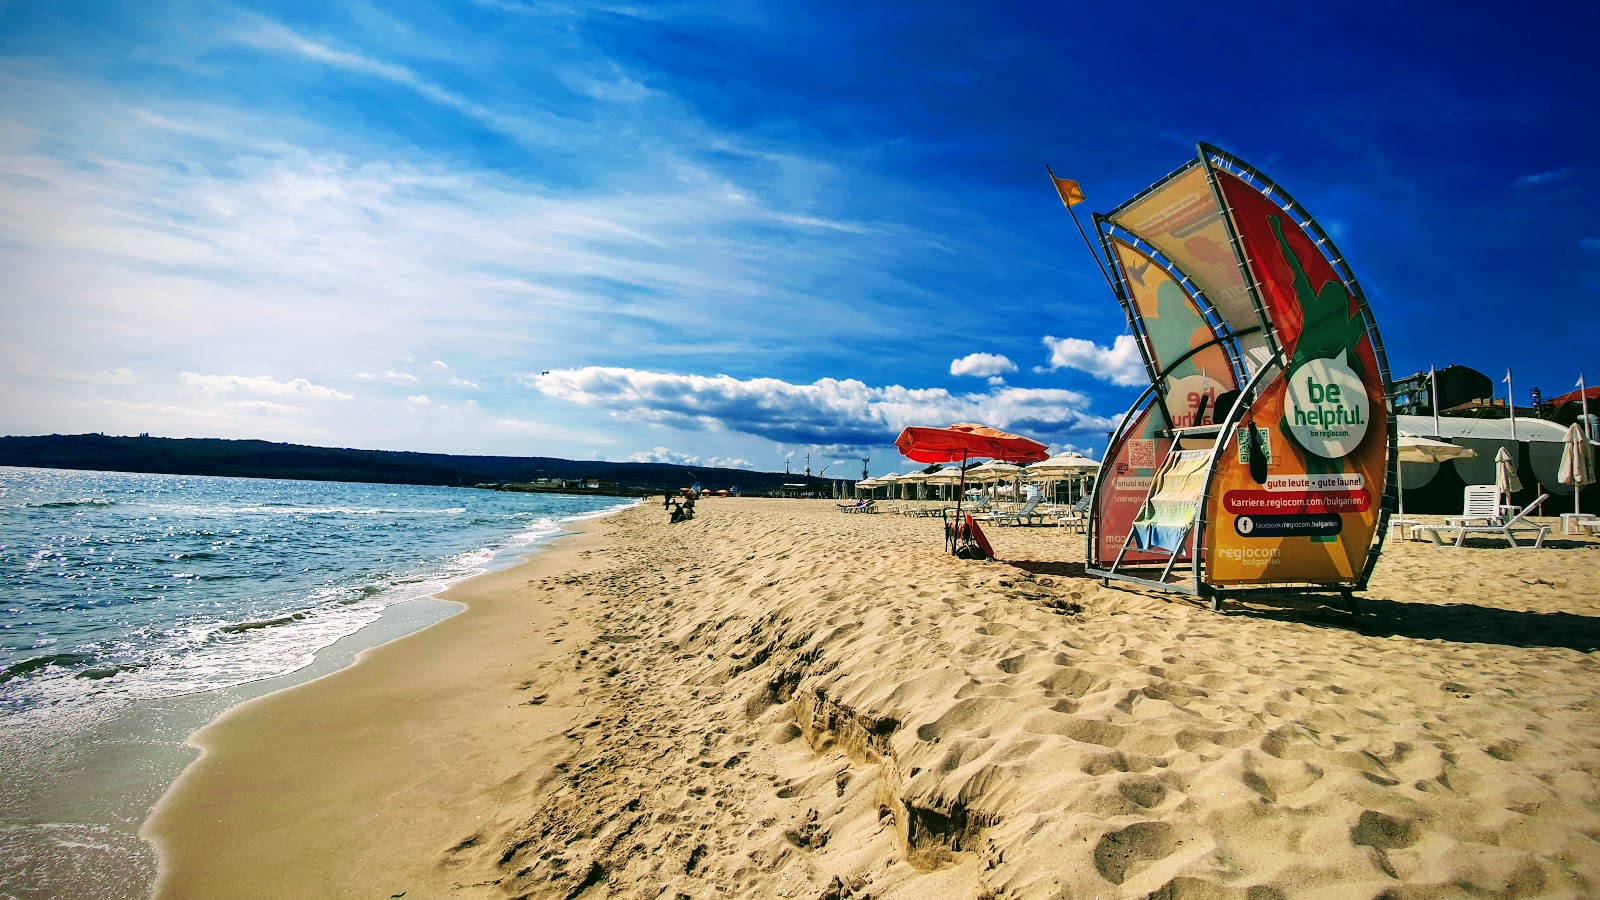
(860,506)
(1073,517)
(1480,504)
(1509,529)
(1027,515)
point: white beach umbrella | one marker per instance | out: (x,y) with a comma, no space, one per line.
(1505,474)
(994,471)
(1071,464)
(920,479)
(1577,463)
(1414,449)
(950,475)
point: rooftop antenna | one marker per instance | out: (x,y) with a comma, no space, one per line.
(864,461)
(808,465)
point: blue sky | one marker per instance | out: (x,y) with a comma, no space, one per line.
(735,234)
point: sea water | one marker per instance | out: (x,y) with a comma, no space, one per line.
(135,607)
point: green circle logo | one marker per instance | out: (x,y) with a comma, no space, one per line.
(1326,408)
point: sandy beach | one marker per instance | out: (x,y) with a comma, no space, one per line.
(779,700)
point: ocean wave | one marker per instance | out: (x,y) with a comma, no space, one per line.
(194,619)
(242,627)
(302,510)
(100,673)
(68,504)
(29,666)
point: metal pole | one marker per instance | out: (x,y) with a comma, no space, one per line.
(1085,235)
(1433,387)
(1583,398)
(1511,398)
(1081,233)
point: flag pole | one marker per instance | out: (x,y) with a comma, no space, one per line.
(1433,388)
(1511,400)
(1069,203)
(1583,400)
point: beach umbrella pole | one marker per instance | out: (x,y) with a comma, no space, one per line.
(961,493)
(1583,399)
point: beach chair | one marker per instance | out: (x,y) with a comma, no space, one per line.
(1507,529)
(1480,504)
(1073,516)
(1166,520)
(1028,514)
(860,506)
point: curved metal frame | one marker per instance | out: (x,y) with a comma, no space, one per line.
(1214,160)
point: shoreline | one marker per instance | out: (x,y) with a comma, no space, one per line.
(778,700)
(85,785)
(181,815)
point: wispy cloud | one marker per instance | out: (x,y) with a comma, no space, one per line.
(828,412)
(1538,179)
(263,385)
(265,34)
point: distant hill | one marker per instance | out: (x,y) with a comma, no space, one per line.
(264,459)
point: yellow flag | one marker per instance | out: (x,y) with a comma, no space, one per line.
(1071,194)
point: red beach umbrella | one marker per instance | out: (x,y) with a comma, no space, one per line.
(961,442)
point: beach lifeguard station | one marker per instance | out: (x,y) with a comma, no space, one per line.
(1259,457)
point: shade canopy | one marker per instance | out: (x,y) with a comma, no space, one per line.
(963,441)
(1505,474)
(1425,450)
(994,470)
(1577,465)
(1413,449)
(1069,463)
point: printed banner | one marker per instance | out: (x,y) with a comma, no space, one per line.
(1126,475)
(1310,513)
(1174,326)
(1181,219)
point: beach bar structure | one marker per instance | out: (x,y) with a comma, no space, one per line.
(1261,454)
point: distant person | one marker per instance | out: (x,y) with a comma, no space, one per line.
(666,501)
(688,505)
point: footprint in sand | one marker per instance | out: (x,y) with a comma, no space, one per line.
(1124,853)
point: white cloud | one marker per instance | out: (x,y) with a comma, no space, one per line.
(439,363)
(265,385)
(1119,364)
(401,378)
(828,412)
(419,400)
(462,382)
(664,455)
(982,364)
